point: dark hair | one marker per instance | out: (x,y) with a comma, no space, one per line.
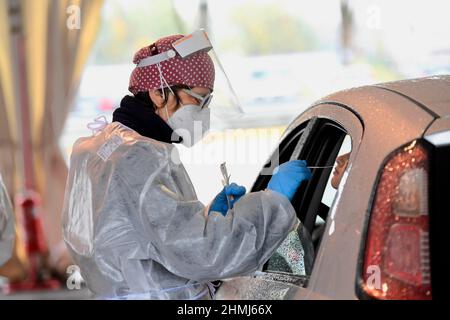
(144,97)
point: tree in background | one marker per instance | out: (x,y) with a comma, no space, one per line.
(270,29)
(347,26)
(126,27)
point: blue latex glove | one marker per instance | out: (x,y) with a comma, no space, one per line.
(220,203)
(288,177)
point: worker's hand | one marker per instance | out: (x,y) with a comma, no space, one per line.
(220,203)
(287,177)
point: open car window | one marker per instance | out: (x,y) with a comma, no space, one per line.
(330,191)
(319,141)
(326,142)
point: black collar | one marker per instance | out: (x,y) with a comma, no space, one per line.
(141,117)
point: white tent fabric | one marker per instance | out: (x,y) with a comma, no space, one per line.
(56,50)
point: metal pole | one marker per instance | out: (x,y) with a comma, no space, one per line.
(204,16)
(28,201)
(19,63)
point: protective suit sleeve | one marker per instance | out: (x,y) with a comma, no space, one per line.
(192,246)
(6,225)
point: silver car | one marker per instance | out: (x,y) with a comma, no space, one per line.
(381,233)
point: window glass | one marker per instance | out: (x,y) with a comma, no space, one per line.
(328,146)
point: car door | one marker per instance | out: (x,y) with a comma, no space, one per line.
(316,136)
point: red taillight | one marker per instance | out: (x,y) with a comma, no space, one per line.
(397,240)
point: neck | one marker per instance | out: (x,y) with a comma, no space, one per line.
(142,118)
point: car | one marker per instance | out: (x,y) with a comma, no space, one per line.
(384,233)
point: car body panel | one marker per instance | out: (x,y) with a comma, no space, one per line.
(438,132)
(431,92)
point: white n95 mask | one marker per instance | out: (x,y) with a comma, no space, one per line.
(191,123)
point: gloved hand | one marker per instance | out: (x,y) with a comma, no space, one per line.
(220,203)
(288,177)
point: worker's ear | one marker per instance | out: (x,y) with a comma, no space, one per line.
(157,98)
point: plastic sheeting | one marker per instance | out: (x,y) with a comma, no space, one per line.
(133,224)
(262,286)
(287,270)
(6,225)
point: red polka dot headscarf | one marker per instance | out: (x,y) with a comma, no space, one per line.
(196,70)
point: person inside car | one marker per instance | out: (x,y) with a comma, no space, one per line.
(341,165)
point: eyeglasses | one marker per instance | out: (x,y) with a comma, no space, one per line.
(203,100)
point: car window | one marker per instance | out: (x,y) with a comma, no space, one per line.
(319,141)
(280,155)
(330,191)
(321,150)
(293,259)
(327,142)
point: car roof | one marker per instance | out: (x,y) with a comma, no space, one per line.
(431,93)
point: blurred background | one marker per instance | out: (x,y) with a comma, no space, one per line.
(279,55)
(64,63)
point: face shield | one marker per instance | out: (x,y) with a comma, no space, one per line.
(223,101)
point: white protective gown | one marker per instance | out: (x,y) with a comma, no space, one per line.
(134,226)
(6,225)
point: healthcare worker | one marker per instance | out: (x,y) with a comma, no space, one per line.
(6,225)
(131,219)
